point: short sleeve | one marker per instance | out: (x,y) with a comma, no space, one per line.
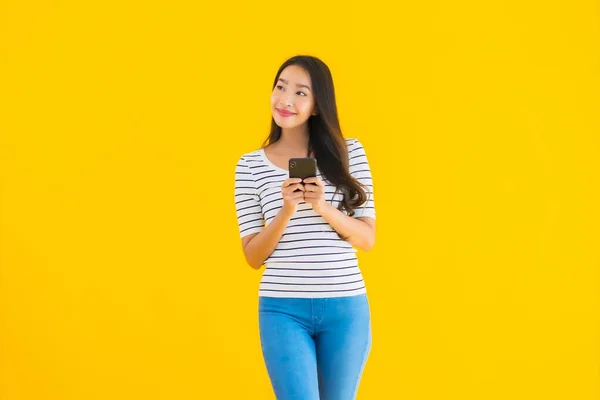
(247,204)
(359,169)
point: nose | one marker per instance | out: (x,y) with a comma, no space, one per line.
(286,99)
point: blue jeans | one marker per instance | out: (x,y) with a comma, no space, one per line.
(315,348)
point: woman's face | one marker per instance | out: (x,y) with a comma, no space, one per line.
(292,100)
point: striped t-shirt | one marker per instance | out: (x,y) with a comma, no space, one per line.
(311,260)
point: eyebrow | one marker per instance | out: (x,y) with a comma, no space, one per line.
(297,85)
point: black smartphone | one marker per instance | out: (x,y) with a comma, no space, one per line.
(303,167)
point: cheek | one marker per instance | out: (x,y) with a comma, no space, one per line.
(304,106)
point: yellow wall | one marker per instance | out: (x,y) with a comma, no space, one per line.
(122,275)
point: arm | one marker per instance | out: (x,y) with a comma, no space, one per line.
(359,232)
(258,240)
(359,229)
(258,246)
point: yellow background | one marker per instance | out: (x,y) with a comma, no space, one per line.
(122,275)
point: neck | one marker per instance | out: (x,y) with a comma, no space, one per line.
(295,139)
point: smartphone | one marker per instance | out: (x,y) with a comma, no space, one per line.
(303,167)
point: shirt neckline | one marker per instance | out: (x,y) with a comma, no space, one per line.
(263,155)
(269,163)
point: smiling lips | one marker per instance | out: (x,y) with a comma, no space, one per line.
(284,113)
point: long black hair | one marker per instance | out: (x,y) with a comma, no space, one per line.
(326,141)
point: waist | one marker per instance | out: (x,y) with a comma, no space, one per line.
(311,280)
(283,257)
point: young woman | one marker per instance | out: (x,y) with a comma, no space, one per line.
(314,317)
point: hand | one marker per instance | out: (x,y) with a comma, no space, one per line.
(315,193)
(291,199)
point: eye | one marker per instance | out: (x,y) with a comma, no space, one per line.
(279,86)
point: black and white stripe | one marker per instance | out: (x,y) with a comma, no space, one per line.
(311,259)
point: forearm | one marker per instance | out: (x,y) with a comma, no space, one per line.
(260,247)
(356,232)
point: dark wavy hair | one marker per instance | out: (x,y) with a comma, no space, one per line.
(326,140)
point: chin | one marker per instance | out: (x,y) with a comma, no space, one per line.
(284,123)
(287,126)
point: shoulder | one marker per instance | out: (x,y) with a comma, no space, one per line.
(353,144)
(355,147)
(249,156)
(356,155)
(350,142)
(245,161)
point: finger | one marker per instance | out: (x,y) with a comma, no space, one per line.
(313,188)
(315,185)
(310,187)
(314,180)
(293,188)
(299,186)
(294,195)
(291,181)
